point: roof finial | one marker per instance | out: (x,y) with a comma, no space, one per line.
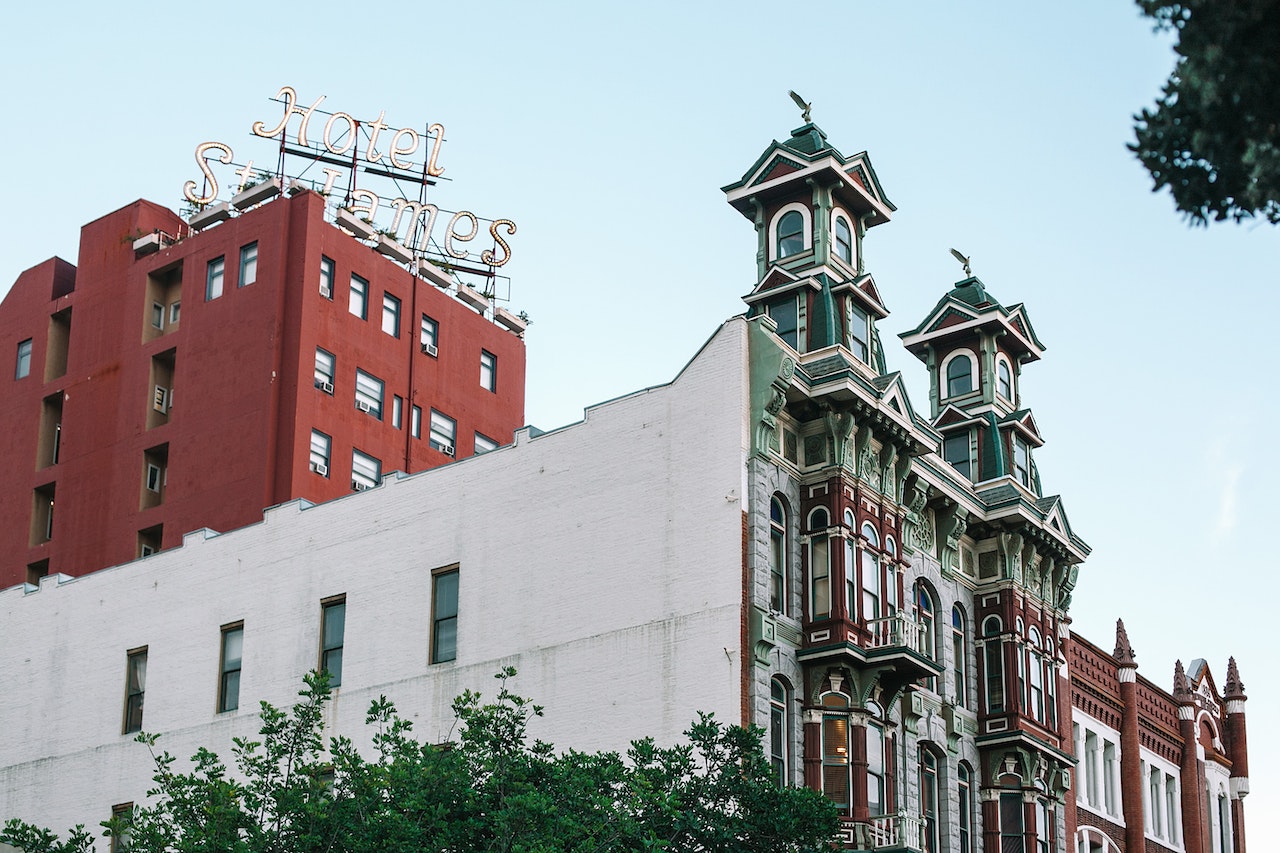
(1234,686)
(1124,652)
(804,108)
(963,260)
(1181,687)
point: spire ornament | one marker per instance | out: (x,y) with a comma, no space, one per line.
(1233,686)
(1124,652)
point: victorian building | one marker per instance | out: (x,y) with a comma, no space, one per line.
(777,536)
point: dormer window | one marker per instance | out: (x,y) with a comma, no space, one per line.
(955,452)
(859,336)
(844,240)
(959,375)
(790,234)
(786,313)
(1022,461)
(1004,380)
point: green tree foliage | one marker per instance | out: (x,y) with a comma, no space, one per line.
(490,790)
(1213,137)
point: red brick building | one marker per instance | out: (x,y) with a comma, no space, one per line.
(177,380)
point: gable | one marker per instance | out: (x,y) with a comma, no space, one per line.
(781,166)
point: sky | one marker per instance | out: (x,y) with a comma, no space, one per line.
(604,131)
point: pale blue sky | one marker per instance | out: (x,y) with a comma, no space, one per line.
(605,132)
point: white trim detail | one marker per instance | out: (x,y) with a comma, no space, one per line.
(806,217)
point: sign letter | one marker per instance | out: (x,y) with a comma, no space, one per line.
(189,188)
(490,257)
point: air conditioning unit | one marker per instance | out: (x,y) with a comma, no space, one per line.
(363,405)
(326,387)
(326,291)
(446,449)
(430,349)
(320,468)
(359,486)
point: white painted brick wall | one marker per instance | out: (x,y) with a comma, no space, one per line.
(603,560)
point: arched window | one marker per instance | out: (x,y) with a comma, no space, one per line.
(836,780)
(929,799)
(779,731)
(875,761)
(1004,380)
(926,618)
(870,574)
(1035,676)
(850,568)
(993,665)
(819,565)
(790,233)
(960,657)
(964,806)
(844,240)
(959,375)
(1050,685)
(778,552)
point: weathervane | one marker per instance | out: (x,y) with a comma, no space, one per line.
(962,259)
(804,108)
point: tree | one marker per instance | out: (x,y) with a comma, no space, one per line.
(491,790)
(1213,137)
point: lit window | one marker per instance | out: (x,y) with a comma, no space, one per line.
(369,390)
(232,651)
(484,444)
(444,432)
(1004,380)
(324,370)
(1022,461)
(326,277)
(23,368)
(779,731)
(488,371)
(429,336)
(444,616)
(359,304)
(366,471)
(213,279)
(960,657)
(777,556)
(786,315)
(320,447)
(248,264)
(790,234)
(333,619)
(955,452)
(859,336)
(959,376)
(397,410)
(391,315)
(836,781)
(415,422)
(135,689)
(819,565)
(844,240)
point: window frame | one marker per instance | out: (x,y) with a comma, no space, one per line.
(948,380)
(328,274)
(780,730)
(391,311)
(790,332)
(320,457)
(331,608)
(429,336)
(359,297)
(415,421)
(995,695)
(488,371)
(796,241)
(484,444)
(859,321)
(819,563)
(322,377)
(449,448)
(135,689)
(843,248)
(248,264)
(22,365)
(836,748)
(1004,380)
(1021,460)
(952,443)
(228,696)
(360,475)
(779,551)
(960,655)
(215,278)
(440,617)
(366,384)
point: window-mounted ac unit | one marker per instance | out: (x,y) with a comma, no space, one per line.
(359,486)
(430,349)
(363,405)
(446,449)
(326,291)
(320,468)
(326,387)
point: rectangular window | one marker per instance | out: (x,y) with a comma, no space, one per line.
(955,452)
(157,315)
(1011,838)
(248,264)
(369,390)
(155,477)
(488,371)
(786,314)
(175,311)
(430,336)
(397,410)
(213,279)
(320,447)
(326,277)
(333,619)
(229,680)
(120,816)
(444,431)
(359,297)
(366,471)
(391,315)
(1022,461)
(859,339)
(135,689)
(484,444)
(324,370)
(415,422)
(23,368)
(444,616)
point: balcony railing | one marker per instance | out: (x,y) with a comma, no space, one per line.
(897,832)
(901,631)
